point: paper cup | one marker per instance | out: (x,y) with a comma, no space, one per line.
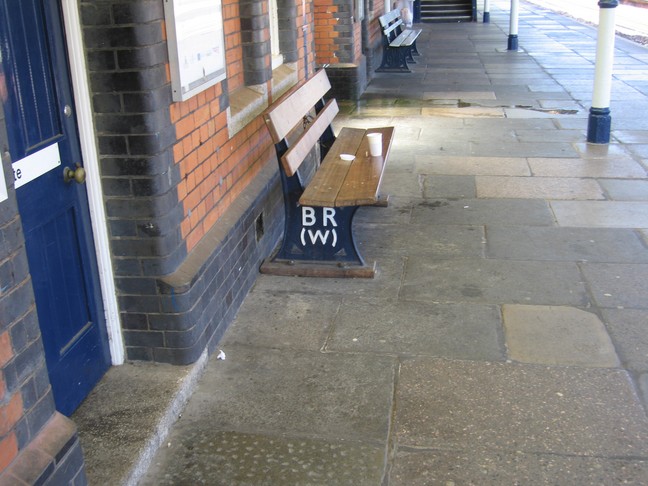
(375,144)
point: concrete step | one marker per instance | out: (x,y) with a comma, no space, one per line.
(446,11)
(448,19)
(128,415)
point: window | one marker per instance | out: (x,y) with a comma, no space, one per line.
(277,58)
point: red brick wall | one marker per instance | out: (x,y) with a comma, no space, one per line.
(357,43)
(10,410)
(374,25)
(307,38)
(214,169)
(26,401)
(338,33)
(233,51)
(325,35)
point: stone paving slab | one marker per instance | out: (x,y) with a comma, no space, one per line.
(295,393)
(277,320)
(515,113)
(613,167)
(402,184)
(603,245)
(599,151)
(442,242)
(550,135)
(640,151)
(561,188)
(617,285)
(495,136)
(510,125)
(601,214)
(483,211)
(472,111)
(631,136)
(448,186)
(463,405)
(455,95)
(473,166)
(624,190)
(398,212)
(523,149)
(494,282)
(557,336)
(222,458)
(627,328)
(465,331)
(494,468)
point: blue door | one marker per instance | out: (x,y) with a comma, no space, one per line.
(52,199)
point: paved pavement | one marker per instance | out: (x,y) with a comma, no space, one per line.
(631,18)
(504,339)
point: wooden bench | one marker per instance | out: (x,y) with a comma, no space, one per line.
(318,232)
(399,44)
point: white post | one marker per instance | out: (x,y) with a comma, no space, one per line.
(600,121)
(486,11)
(513,26)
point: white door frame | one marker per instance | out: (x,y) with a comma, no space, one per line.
(82,98)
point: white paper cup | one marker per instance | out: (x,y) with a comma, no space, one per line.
(375,144)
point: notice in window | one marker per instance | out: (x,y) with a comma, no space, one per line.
(196,45)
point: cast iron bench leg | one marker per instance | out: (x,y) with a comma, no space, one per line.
(316,234)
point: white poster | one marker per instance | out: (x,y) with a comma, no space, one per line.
(196,45)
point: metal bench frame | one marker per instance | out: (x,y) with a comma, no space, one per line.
(318,231)
(399,45)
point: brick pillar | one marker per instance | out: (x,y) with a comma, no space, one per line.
(338,40)
(288,31)
(255,37)
(127,60)
(171,171)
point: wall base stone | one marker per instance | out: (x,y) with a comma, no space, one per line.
(348,81)
(201,298)
(54,457)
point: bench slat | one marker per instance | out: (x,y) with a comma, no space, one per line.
(363,179)
(327,182)
(282,117)
(388,30)
(406,38)
(340,183)
(294,157)
(388,17)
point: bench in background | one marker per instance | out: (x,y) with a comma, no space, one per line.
(318,234)
(399,44)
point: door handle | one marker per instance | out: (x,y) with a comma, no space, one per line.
(77,174)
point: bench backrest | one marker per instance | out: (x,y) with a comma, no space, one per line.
(389,17)
(391,24)
(292,111)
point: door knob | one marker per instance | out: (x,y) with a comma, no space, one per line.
(78,174)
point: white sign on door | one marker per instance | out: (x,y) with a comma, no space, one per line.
(35,165)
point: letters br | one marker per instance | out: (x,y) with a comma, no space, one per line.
(309,219)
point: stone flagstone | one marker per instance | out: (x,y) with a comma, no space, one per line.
(557,336)
(537,188)
(465,405)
